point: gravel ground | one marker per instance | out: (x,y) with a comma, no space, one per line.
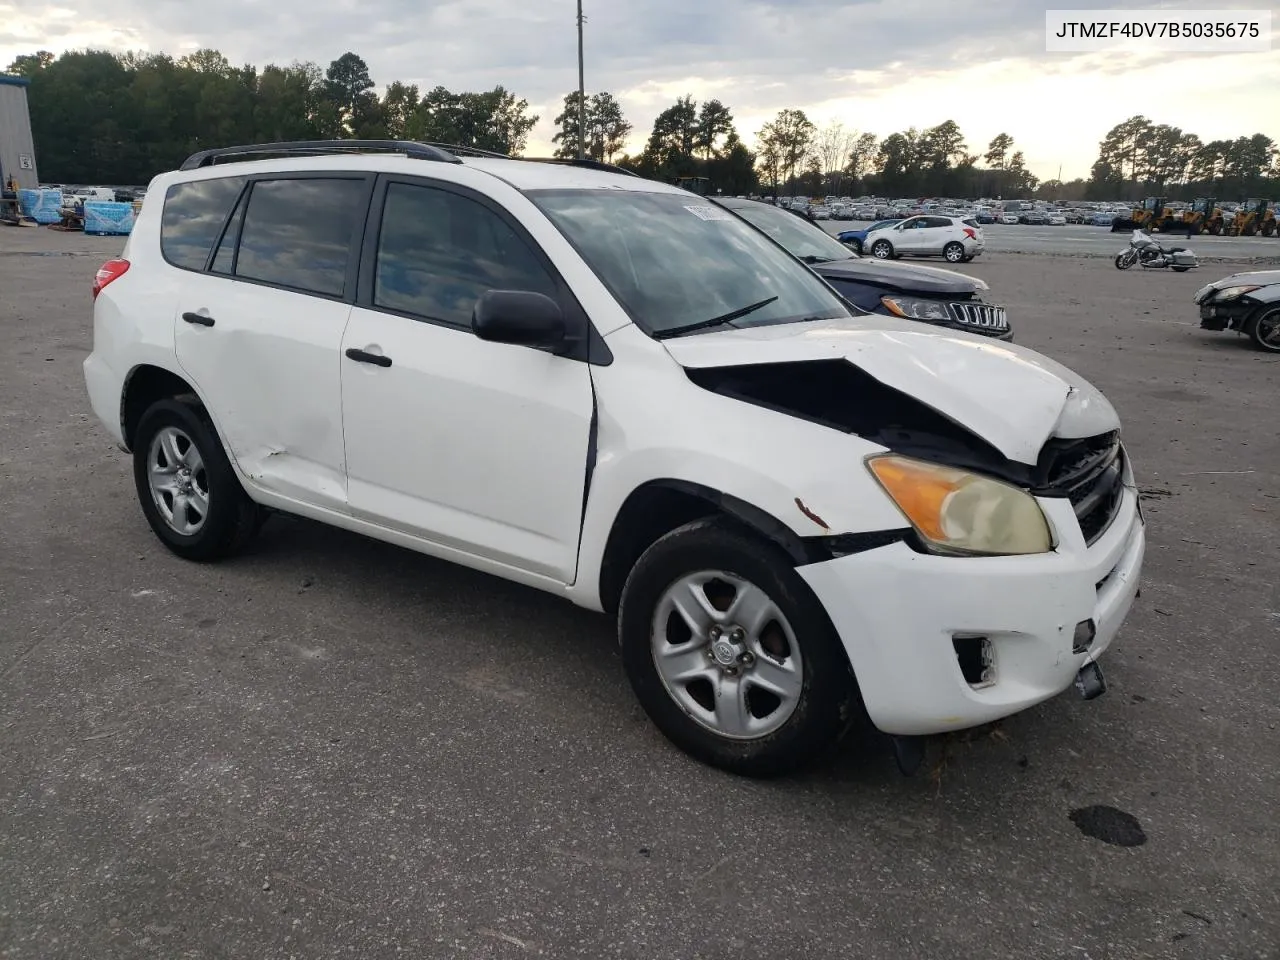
(333,747)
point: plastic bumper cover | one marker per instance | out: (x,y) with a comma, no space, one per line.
(898,613)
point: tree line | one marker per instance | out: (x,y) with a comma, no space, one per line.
(121,118)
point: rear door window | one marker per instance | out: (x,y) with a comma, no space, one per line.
(193,217)
(299,233)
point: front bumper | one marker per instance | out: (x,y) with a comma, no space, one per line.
(898,613)
(1225,316)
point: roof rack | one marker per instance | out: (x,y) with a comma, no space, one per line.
(410,148)
(461,151)
(583,162)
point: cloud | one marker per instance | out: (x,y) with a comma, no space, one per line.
(982,64)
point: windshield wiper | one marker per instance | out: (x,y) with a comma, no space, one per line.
(810,259)
(714,321)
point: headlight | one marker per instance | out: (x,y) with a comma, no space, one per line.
(916,309)
(1235,293)
(962,512)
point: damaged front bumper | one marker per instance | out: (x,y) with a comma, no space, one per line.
(944,643)
(1225,316)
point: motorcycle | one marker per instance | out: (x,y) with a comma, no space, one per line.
(1147,251)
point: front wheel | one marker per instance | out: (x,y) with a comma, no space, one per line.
(882,250)
(731,654)
(1126,260)
(188,490)
(1265,331)
(954,252)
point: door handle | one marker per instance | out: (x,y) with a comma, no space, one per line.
(199,318)
(362,356)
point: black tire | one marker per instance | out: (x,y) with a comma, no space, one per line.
(953,252)
(967,260)
(1181,269)
(232,518)
(828,703)
(1264,330)
(857,246)
(882,250)
(1125,260)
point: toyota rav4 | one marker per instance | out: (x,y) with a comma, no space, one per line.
(610,389)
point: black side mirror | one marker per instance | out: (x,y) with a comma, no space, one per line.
(519,317)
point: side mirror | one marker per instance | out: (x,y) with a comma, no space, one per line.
(518,317)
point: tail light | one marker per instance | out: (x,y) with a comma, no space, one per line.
(111,270)
(969,232)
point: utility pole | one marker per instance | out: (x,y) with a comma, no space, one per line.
(582,92)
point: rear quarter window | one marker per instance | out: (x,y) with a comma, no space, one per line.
(193,216)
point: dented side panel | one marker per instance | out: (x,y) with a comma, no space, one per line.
(654,423)
(269,367)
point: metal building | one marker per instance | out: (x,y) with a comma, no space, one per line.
(17,149)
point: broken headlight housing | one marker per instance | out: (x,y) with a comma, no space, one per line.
(1234,293)
(910,308)
(963,513)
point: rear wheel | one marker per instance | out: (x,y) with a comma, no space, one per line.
(1265,330)
(954,252)
(1181,269)
(882,250)
(188,490)
(731,654)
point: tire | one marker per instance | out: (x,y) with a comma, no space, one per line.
(953,252)
(1124,261)
(714,558)
(967,260)
(1181,269)
(1264,330)
(857,246)
(882,250)
(218,519)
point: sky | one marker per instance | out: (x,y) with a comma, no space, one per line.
(872,65)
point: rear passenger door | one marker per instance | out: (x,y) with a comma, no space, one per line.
(934,234)
(478,447)
(260,324)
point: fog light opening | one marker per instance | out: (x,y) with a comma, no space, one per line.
(1082,640)
(977,660)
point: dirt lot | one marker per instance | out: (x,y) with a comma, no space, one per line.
(333,747)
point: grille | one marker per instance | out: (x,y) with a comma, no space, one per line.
(1090,474)
(984,316)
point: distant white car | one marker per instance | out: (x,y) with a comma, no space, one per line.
(1057,220)
(820,212)
(956,240)
(1010,218)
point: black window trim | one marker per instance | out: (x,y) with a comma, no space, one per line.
(246,194)
(590,348)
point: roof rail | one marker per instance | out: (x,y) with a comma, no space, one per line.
(584,162)
(463,151)
(410,148)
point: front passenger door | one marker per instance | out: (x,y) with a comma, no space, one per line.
(478,447)
(910,237)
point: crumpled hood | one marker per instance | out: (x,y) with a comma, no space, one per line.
(1012,397)
(906,277)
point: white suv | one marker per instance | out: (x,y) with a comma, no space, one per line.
(606,388)
(956,239)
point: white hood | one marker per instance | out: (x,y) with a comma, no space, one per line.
(1012,397)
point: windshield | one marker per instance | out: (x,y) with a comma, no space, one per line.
(800,238)
(673,260)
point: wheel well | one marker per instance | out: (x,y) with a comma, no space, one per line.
(146,385)
(660,506)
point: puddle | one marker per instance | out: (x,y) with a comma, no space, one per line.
(1109,825)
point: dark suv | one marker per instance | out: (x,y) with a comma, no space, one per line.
(932,295)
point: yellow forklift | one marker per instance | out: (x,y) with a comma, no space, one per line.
(1253,217)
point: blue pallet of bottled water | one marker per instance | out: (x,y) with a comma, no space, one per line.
(42,206)
(105,218)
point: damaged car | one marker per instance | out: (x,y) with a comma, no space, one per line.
(618,392)
(1248,303)
(941,298)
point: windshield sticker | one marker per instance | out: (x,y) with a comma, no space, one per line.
(709,213)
